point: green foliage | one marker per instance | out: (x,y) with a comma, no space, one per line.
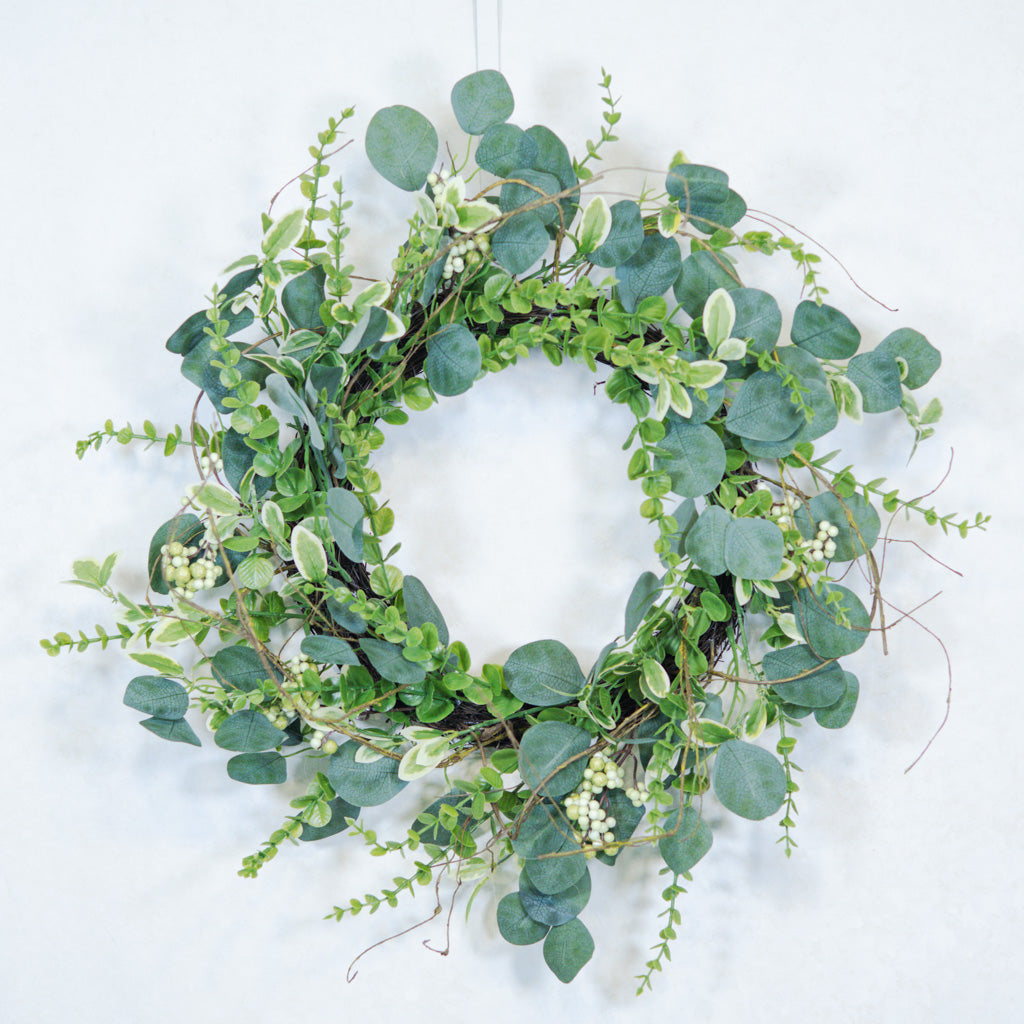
(313,645)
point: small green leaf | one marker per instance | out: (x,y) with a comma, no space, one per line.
(283,233)
(595,224)
(718,317)
(255,573)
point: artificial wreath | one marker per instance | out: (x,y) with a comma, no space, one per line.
(311,646)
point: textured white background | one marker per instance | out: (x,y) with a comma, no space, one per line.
(141,140)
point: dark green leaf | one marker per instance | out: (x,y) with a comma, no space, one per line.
(402,146)
(241,668)
(544,829)
(453,360)
(705,543)
(567,948)
(366,332)
(262,769)
(709,217)
(193,330)
(248,731)
(156,696)
(922,358)
(818,619)
(758,318)
(695,458)
(345,521)
(643,595)
(837,715)
(828,507)
(503,148)
(365,785)
(552,156)
(301,298)
(177,730)
(387,659)
(544,673)
(748,780)
(520,242)
(702,273)
(824,331)
(544,748)
(697,187)
(515,925)
(480,100)
(819,684)
(329,650)
(437,833)
(555,908)
(238,458)
(197,367)
(690,839)
(186,529)
(762,410)
(554,874)
(421,609)
(625,237)
(754,548)
(651,270)
(515,194)
(878,377)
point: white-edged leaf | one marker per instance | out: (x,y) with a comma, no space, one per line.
(254,573)
(366,755)
(309,555)
(719,317)
(703,373)
(396,327)
(595,224)
(283,233)
(273,519)
(669,219)
(472,216)
(216,498)
(372,295)
(731,348)
(654,680)
(426,210)
(680,400)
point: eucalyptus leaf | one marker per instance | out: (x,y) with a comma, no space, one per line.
(643,595)
(402,146)
(157,696)
(365,785)
(699,275)
(503,148)
(854,517)
(258,769)
(186,529)
(877,377)
(193,331)
(567,949)
(689,838)
(242,668)
(921,357)
(556,873)
(543,829)
(762,409)
(198,367)
(301,298)
(820,618)
(345,521)
(814,682)
(520,242)
(341,811)
(705,543)
(748,780)
(651,270)
(388,660)
(555,908)
(515,925)
(544,673)
(824,331)
(177,730)
(625,236)
(548,749)
(248,730)
(480,100)
(693,456)
(838,715)
(328,650)
(453,360)
(528,186)
(758,318)
(754,548)
(421,609)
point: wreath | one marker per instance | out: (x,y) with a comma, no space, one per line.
(309,643)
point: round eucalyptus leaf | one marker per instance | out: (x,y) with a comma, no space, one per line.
(329,650)
(921,357)
(824,331)
(156,696)
(515,925)
(421,609)
(402,146)
(543,829)
(625,237)
(259,769)
(689,839)
(853,539)
(556,872)
(248,731)
(453,360)
(770,449)
(520,242)
(758,318)
(177,730)
(388,660)
(544,673)
(878,378)
(302,297)
(555,908)
(705,543)
(754,548)
(242,668)
(365,785)
(544,749)
(341,810)
(701,274)
(697,186)
(762,409)
(552,155)
(748,780)
(821,616)
(651,270)
(529,186)
(695,459)
(567,949)
(504,147)
(824,412)
(802,364)
(813,683)
(838,715)
(481,100)
(709,217)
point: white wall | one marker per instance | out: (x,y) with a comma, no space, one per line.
(141,141)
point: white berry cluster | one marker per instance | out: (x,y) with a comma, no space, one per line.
(822,546)
(186,573)
(824,541)
(210,464)
(470,248)
(592,824)
(317,736)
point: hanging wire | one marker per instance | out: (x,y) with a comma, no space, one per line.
(476,31)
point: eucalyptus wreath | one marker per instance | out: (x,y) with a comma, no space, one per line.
(309,644)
